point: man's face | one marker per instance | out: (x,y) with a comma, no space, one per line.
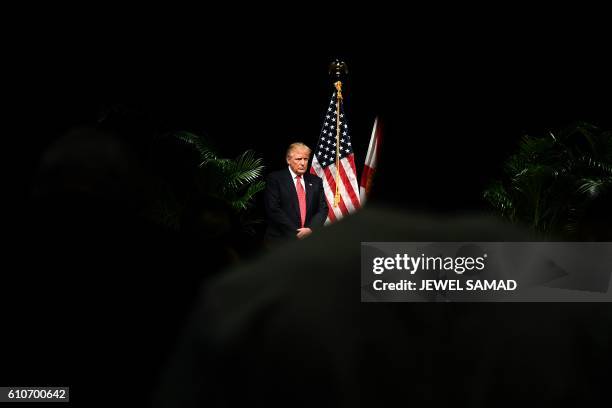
(298,160)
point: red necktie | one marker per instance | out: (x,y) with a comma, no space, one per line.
(301,198)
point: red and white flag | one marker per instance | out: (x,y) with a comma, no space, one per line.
(334,162)
(369,167)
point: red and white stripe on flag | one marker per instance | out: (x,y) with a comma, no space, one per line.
(369,167)
(347,187)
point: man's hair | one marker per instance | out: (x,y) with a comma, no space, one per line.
(297,145)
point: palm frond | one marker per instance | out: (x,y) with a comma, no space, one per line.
(245,200)
(594,187)
(597,165)
(498,197)
(550,180)
(245,169)
(206,152)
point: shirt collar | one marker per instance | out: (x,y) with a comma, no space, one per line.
(293,175)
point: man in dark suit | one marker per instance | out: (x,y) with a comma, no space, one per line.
(294,199)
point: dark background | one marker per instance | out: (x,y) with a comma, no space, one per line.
(453,104)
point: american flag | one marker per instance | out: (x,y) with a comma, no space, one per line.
(324,163)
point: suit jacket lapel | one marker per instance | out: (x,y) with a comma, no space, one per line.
(309,193)
(293,194)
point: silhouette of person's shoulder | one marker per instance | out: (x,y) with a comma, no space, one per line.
(290,328)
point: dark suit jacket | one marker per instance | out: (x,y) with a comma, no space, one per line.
(283,210)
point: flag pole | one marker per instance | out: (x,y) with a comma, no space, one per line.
(338,85)
(338,69)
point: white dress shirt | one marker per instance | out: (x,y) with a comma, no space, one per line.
(294,177)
